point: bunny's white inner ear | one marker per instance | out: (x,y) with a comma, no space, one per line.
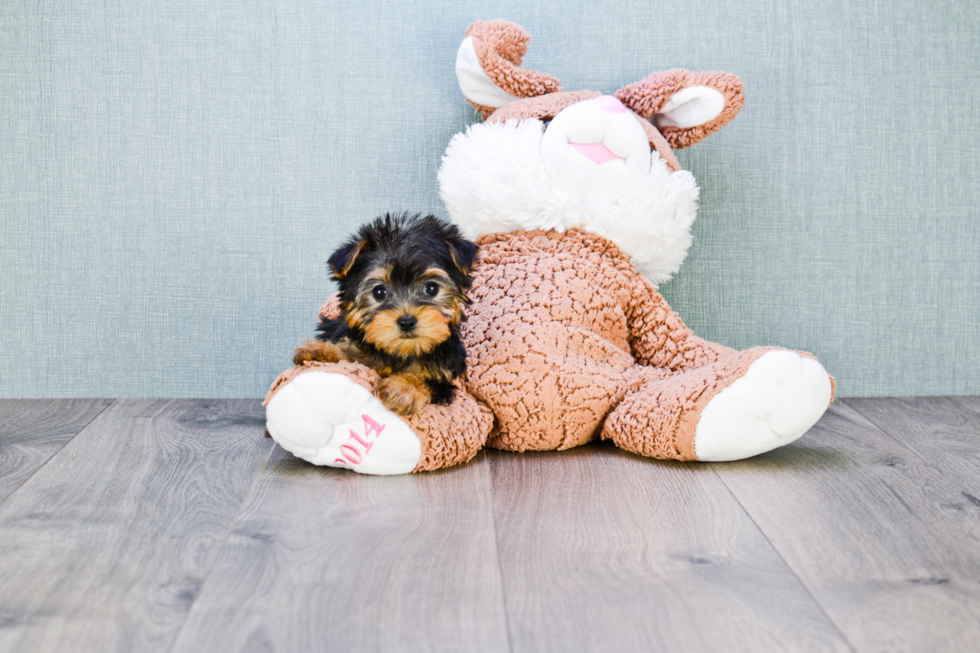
(689,107)
(475,84)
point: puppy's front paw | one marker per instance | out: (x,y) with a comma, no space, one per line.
(315,350)
(404,394)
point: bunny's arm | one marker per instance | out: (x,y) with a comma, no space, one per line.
(659,338)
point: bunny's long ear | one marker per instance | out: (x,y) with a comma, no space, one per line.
(488,66)
(686,107)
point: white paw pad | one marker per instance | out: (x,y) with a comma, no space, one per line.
(327,419)
(778,399)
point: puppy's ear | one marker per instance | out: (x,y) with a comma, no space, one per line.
(343,259)
(463,252)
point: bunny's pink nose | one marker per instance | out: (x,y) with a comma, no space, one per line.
(610,104)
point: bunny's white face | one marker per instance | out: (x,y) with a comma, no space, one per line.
(595,150)
(590,167)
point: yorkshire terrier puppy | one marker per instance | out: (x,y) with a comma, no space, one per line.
(403,283)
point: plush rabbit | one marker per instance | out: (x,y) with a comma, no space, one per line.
(580,207)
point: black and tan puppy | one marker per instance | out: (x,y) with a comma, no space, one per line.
(403,283)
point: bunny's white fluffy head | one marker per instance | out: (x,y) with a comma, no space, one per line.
(516,175)
(549,159)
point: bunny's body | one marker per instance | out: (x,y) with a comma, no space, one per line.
(579,206)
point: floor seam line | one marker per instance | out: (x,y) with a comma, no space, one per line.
(221,549)
(496,542)
(60,449)
(806,589)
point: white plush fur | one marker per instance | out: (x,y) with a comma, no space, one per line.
(691,106)
(493,179)
(778,399)
(574,174)
(315,415)
(474,82)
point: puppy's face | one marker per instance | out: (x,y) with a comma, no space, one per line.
(406,284)
(406,312)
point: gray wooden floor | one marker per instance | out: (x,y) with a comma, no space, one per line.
(176,526)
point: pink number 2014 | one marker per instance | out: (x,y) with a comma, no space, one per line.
(350,451)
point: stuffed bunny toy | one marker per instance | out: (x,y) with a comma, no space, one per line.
(580,208)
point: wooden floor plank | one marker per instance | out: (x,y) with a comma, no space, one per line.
(323,559)
(33,430)
(970,403)
(882,539)
(106,546)
(943,430)
(602,550)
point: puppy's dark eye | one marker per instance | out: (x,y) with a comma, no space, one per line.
(431,289)
(380,293)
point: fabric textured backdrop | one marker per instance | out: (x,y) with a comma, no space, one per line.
(173,176)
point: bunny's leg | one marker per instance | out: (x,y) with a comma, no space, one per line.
(691,399)
(329,414)
(743,404)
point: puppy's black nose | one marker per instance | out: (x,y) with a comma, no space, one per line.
(406,322)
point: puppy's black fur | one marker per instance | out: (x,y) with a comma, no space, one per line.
(400,270)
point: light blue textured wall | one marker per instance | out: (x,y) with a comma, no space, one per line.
(174,174)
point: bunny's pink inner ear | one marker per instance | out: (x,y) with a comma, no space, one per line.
(686,107)
(499,47)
